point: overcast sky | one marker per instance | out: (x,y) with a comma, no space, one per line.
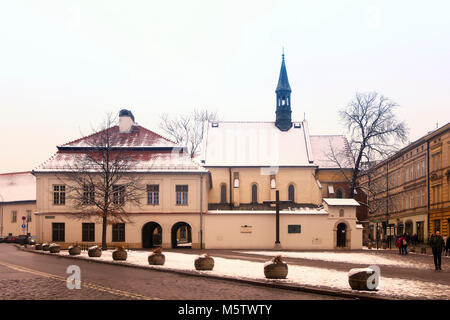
(65,64)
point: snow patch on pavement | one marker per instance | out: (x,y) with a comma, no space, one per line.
(300,275)
(358,258)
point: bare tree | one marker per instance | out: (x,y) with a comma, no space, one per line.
(100,178)
(374,130)
(188,129)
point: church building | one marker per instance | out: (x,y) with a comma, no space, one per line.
(249,161)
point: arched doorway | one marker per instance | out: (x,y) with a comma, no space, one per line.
(151,235)
(181,235)
(341,236)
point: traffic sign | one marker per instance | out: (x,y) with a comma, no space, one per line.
(24,226)
(23,217)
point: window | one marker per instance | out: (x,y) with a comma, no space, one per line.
(437,225)
(59,194)
(14,216)
(341,213)
(223,193)
(88,232)
(411,200)
(58,232)
(436,193)
(436,161)
(118,194)
(182,194)
(339,193)
(294,228)
(88,194)
(153,194)
(254,193)
(28,215)
(291,193)
(118,232)
(423,197)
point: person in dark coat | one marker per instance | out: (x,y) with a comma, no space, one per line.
(437,245)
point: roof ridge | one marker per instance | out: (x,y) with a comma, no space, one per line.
(12,173)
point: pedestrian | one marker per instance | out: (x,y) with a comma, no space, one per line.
(398,244)
(437,245)
(405,243)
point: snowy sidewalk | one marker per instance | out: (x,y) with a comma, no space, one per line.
(314,277)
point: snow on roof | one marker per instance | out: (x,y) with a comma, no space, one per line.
(256,144)
(296,211)
(146,160)
(325,148)
(17,186)
(340,202)
(139,137)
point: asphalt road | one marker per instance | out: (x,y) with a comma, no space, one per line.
(28,276)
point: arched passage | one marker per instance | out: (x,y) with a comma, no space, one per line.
(341,236)
(151,235)
(181,235)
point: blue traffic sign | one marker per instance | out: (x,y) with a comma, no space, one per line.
(24,226)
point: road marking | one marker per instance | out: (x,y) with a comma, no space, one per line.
(89,285)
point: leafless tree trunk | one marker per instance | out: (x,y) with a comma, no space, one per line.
(188,129)
(374,131)
(100,181)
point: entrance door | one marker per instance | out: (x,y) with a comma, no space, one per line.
(420,230)
(151,235)
(181,235)
(341,235)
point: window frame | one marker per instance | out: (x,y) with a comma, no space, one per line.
(153,194)
(58,234)
(59,194)
(118,232)
(182,194)
(89,234)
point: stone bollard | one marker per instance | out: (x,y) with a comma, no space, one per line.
(204,262)
(357,278)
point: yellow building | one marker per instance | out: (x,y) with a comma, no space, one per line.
(408,192)
(17,201)
(438,143)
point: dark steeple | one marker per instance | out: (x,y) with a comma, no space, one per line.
(283,91)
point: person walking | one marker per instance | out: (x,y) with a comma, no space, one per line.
(405,243)
(398,244)
(437,245)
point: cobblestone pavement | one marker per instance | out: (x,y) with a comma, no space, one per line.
(425,272)
(25,275)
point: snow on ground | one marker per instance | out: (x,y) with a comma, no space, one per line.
(358,258)
(308,276)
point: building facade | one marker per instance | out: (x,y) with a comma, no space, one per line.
(17,201)
(406,192)
(172,194)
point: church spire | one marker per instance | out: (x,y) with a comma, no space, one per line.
(283,91)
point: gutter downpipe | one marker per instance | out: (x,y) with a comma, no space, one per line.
(201,210)
(1,226)
(428,192)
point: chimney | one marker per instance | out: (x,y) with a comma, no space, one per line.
(126,121)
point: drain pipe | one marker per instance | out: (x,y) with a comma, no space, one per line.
(201,210)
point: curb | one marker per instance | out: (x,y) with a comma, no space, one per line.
(263,283)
